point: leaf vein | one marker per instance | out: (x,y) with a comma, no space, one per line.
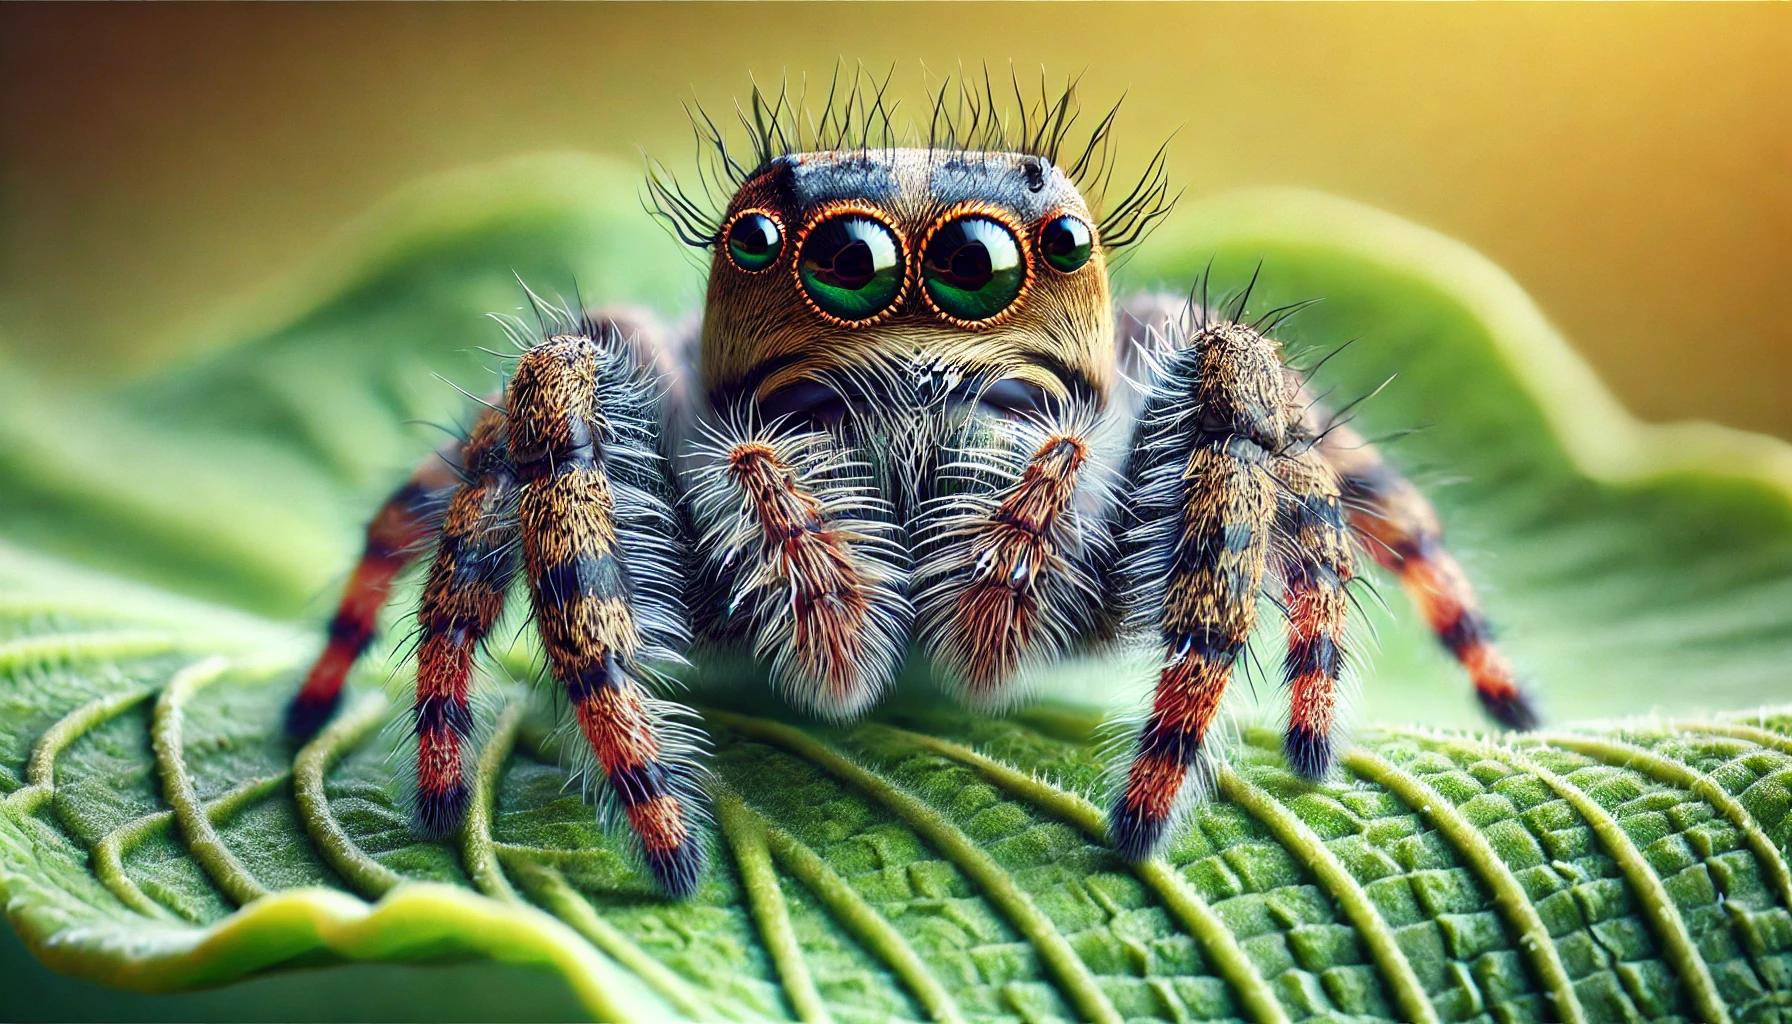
(1217,941)
(232,878)
(1652,897)
(1054,950)
(746,835)
(1619,754)
(1310,850)
(333,843)
(1508,895)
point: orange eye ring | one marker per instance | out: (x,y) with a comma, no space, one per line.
(832,212)
(741,254)
(1023,246)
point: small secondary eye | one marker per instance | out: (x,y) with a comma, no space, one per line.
(973,268)
(754,242)
(1067,244)
(851,266)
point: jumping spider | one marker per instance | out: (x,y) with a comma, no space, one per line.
(914,416)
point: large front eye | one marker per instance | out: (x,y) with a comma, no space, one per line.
(1067,243)
(851,266)
(973,269)
(754,242)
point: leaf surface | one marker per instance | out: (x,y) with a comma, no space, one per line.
(167,548)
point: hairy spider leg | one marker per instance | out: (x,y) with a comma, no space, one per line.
(1004,578)
(395,537)
(463,597)
(1204,497)
(793,527)
(1393,519)
(1401,531)
(1316,565)
(584,596)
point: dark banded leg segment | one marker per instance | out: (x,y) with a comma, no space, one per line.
(1209,610)
(475,562)
(575,441)
(1005,577)
(1401,531)
(395,537)
(1203,496)
(1316,565)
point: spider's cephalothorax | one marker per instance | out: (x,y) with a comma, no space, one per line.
(905,429)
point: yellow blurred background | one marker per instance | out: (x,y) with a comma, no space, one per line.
(1631,165)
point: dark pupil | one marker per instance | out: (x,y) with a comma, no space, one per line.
(1067,243)
(852,266)
(751,236)
(974,268)
(753,241)
(970,267)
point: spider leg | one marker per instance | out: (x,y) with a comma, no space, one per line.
(1401,531)
(799,546)
(600,547)
(463,596)
(1316,564)
(1006,567)
(395,537)
(1203,494)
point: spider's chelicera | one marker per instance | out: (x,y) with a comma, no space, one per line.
(915,421)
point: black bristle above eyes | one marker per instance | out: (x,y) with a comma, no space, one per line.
(857,112)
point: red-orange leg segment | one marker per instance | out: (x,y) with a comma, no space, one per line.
(1401,531)
(1209,608)
(1316,565)
(580,586)
(395,537)
(474,564)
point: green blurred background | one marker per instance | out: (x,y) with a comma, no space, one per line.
(1631,165)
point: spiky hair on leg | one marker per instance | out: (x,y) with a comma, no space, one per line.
(805,552)
(1202,496)
(1313,558)
(1009,546)
(655,553)
(606,553)
(464,594)
(1116,743)
(630,435)
(403,529)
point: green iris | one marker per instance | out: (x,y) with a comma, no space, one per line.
(851,266)
(1067,243)
(973,268)
(754,242)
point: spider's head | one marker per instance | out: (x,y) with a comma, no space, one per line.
(858,278)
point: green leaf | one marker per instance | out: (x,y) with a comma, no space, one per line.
(167,548)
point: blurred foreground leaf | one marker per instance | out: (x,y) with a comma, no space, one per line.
(166,549)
